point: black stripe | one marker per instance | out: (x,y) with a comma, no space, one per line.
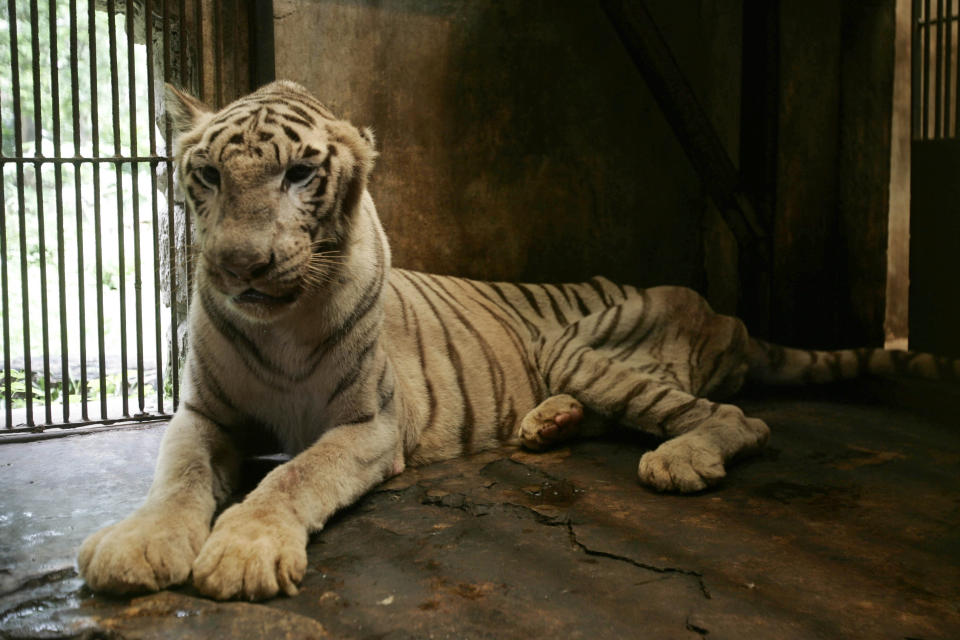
(367,302)
(624,404)
(384,396)
(351,377)
(431,397)
(679,410)
(562,319)
(467,421)
(706,373)
(403,304)
(572,329)
(536,386)
(574,366)
(207,380)
(604,337)
(242,344)
(307,101)
(212,134)
(599,373)
(311,122)
(580,303)
(290,133)
(298,121)
(531,299)
(195,409)
(532,328)
(494,369)
(360,419)
(656,399)
(600,291)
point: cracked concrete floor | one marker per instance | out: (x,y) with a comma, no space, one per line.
(848,526)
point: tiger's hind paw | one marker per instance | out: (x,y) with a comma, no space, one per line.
(556,419)
(682,464)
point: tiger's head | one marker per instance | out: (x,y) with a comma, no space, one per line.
(273,182)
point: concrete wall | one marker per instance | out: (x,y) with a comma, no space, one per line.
(518,140)
(833,172)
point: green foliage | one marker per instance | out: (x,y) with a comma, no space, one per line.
(113,387)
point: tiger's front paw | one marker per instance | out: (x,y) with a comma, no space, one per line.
(556,419)
(146,552)
(252,553)
(684,464)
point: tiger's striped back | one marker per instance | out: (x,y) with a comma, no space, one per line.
(466,351)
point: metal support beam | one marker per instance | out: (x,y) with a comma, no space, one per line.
(651,54)
(262,63)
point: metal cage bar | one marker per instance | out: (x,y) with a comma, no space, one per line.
(102,174)
(936,69)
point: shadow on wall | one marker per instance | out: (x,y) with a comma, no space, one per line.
(517,139)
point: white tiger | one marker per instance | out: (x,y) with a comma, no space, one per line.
(300,329)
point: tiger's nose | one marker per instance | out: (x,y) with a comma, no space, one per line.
(246,265)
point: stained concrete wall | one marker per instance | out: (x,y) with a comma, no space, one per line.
(517,139)
(519,142)
(833,172)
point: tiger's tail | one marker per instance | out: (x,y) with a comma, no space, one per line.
(773,364)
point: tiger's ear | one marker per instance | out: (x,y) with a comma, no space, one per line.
(367,134)
(184,110)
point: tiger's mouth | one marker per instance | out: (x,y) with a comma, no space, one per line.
(253,297)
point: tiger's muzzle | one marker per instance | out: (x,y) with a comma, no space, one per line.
(248,276)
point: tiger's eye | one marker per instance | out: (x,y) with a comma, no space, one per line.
(299,173)
(210,175)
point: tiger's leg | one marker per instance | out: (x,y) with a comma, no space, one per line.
(258,547)
(154,547)
(702,435)
(557,419)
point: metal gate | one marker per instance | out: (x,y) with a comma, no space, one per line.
(935,178)
(94,247)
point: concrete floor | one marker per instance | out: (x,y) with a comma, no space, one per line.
(848,526)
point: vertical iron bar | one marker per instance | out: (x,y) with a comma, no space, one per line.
(184,74)
(22,217)
(947,52)
(78,204)
(956,84)
(926,69)
(58,182)
(938,78)
(95,134)
(182,44)
(916,71)
(198,43)
(41,226)
(218,58)
(171,227)
(121,257)
(135,187)
(237,91)
(5,292)
(155,213)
